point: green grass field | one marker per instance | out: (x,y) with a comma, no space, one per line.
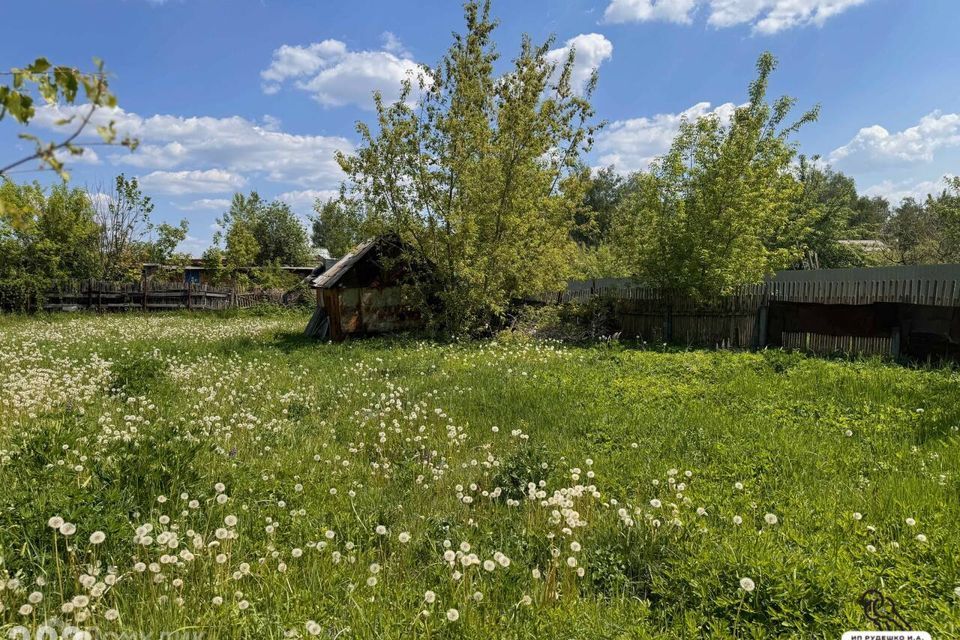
(220,477)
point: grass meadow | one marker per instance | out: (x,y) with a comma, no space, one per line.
(220,477)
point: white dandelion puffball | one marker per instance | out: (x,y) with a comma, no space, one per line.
(55,522)
(921,537)
(381,530)
(911,522)
(404,537)
(97,537)
(737,520)
(747,584)
(68,529)
(453,615)
(771,519)
(430,597)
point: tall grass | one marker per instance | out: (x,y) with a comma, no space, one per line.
(250,483)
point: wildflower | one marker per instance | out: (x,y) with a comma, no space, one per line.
(243,605)
(921,537)
(737,520)
(381,530)
(313,628)
(68,529)
(453,615)
(526,600)
(217,601)
(655,503)
(230,521)
(372,581)
(489,565)
(571,562)
(55,522)
(26,610)
(771,519)
(403,537)
(911,522)
(575,546)
(374,568)
(857,516)
(871,548)
(738,486)
(330,534)
(747,584)
(111,614)
(97,537)
(430,597)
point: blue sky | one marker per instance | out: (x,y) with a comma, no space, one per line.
(230,95)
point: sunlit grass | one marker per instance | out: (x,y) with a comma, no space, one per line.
(250,483)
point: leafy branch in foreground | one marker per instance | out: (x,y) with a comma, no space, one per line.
(55,84)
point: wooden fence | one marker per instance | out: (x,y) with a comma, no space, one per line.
(922,307)
(95,295)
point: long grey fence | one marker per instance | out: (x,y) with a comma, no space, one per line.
(96,295)
(889,310)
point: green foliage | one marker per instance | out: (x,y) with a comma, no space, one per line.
(337,226)
(712,213)
(261,234)
(926,232)
(481,177)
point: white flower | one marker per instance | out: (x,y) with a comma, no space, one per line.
(737,520)
(857,516)
(575,546)
(871,548)
(453,615)
(26,609)
(97,537)
(372,581)
(374,568)
(489,565)
(313,628)
(430,597)
(243,605)
(771,519)
(403,537)
(35,598)
(747,584)
(655,503)
(55,522)
(68,529)
(381,530)
(911,522)
(921,537)
(330,534)
(111,614)
(526,600)
(571,562)
(738,485)
(230,521)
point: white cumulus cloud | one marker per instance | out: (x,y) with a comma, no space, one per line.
(205,204)
(197,181)
(876,146)
(896,191)
(232,144)
(592,49)
(335,76)
(630,145)
(764,16)
(302,201)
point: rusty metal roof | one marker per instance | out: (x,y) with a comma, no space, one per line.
(329,278)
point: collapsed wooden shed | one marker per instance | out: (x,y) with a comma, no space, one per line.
(365,293)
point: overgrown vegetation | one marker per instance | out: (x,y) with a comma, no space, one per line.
(221,474)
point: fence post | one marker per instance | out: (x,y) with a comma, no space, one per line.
(895,343)
(189,296)
(762,326)
(143,289)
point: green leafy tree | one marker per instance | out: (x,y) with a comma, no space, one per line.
(123,218)
(481,178)
(711,214)
(927,232)
(337,225)
(282,237)
(163,249)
